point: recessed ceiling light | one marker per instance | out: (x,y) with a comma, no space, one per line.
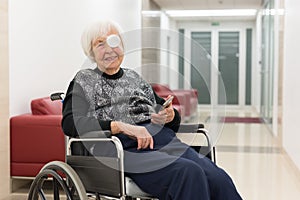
(151,13)
(211,13)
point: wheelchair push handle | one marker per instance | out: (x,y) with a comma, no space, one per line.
(57,96)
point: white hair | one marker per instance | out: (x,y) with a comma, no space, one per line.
(95,30)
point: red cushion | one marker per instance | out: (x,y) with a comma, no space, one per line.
(161,87)
(25,169)
(34,141)
(45,106)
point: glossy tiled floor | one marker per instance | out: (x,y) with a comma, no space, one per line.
(251,155)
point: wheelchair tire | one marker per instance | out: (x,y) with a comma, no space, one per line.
(63,177)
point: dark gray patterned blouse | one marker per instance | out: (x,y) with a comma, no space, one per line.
(124,96)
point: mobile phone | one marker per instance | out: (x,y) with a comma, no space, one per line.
(167,102)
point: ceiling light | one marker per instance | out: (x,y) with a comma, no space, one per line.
(211,13)
(151,13)
(273,12)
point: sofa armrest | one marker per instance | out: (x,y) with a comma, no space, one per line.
(35,139)
(193,92)
(193,99)
(179,98)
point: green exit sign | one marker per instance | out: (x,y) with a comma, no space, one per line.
(215,23)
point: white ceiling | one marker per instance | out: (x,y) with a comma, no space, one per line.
(207,4)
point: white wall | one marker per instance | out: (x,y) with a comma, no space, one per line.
(256,81)
(169,52)
(174,47)
(44,43)
(291,81)
(165,50)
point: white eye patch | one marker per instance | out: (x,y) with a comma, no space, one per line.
(113,41)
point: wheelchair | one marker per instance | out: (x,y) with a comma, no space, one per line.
(84,176)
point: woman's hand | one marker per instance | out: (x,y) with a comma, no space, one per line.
(164,116)
(140,133)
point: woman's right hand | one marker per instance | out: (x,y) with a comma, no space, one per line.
(140,133)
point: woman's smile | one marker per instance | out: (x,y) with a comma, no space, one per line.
(110,58)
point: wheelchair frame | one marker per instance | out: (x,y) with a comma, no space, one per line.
(83,176)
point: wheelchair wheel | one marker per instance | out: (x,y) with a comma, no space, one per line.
(65,183)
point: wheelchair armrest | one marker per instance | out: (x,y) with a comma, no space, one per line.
(94,137)
(189,128)
(96,134)
(195,128)
(81,145)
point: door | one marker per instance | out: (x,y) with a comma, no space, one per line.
(228,63)
(201,65)
(223,48)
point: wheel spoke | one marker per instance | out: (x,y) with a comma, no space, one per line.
(65,182)
(41,194)
(55,189)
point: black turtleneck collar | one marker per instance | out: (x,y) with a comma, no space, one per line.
(117,75)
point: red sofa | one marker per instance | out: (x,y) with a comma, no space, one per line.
(187,99)
(36,138)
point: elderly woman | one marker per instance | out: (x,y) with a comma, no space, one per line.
(115,98)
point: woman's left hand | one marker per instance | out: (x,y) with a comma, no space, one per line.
(164,116)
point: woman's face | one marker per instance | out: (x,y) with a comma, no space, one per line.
(108,58)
